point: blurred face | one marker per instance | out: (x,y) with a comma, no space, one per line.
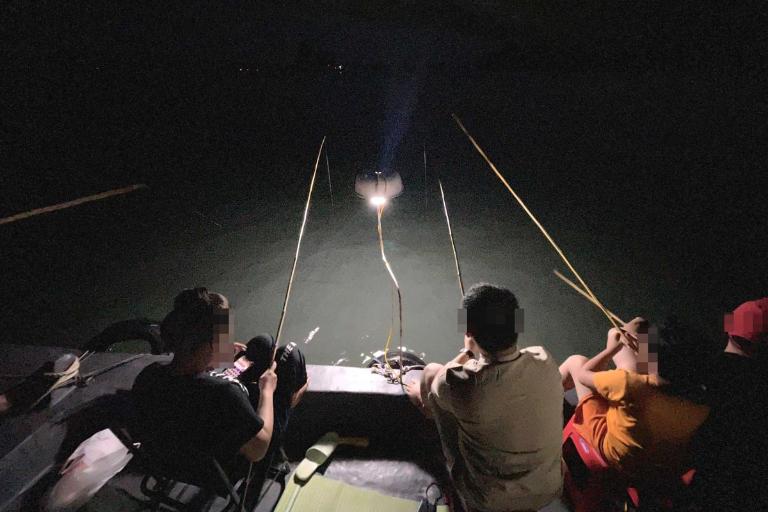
(749,348)
(648,351)
(223,334)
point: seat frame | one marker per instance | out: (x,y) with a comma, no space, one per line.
(156,486)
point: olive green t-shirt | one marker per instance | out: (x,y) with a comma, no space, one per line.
(500,424)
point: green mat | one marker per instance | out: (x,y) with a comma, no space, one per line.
(322,494)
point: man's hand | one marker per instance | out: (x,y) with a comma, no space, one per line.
(413,390)
(614,342)
(296,397)
(268,380)
(471,345)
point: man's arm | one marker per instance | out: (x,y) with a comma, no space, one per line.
(418,392)
(613,345)
(256,447)
(586,373)
(426,387)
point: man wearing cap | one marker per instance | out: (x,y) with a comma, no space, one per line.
(732,448)
(498,409)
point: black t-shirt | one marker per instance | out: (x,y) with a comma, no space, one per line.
(181,415)
(732,445)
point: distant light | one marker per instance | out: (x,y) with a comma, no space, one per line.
(378,187)
(378,200)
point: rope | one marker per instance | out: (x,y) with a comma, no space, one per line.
(544,232)
(296,256)
(379,210)
(387,364)
(62,379)
(453,244)
(69,204)
(57,375)
(98,372)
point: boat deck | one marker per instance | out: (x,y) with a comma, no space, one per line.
(403,457)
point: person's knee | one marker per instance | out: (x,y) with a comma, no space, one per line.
(569,369)
(573,362)
(578,359)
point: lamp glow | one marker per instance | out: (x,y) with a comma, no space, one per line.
(378,200)
(378,187)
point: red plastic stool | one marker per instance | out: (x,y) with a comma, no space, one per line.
(590,483)
(665,502)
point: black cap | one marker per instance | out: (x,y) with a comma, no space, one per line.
(259,352)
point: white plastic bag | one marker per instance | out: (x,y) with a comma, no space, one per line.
(91,465)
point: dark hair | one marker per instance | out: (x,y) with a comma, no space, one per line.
(191,297)
(191,323)
(491,316)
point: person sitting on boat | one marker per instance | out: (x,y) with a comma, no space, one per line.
(638,421)
(181,407)
(732,450)
(291,369)
(498,409)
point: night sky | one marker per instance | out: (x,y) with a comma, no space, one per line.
(637,133)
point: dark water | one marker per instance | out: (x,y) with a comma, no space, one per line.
(650,173)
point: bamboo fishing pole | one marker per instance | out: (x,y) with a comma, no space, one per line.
(586,295)
(69,204)
(287,296)
(538,224)
(298,247)
(450,235)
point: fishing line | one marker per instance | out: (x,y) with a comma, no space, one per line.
(328,167)
(379,210)
(453,244)
(543,231)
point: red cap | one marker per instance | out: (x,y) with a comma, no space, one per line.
(748,320)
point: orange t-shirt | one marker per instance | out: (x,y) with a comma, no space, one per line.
(647,430)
